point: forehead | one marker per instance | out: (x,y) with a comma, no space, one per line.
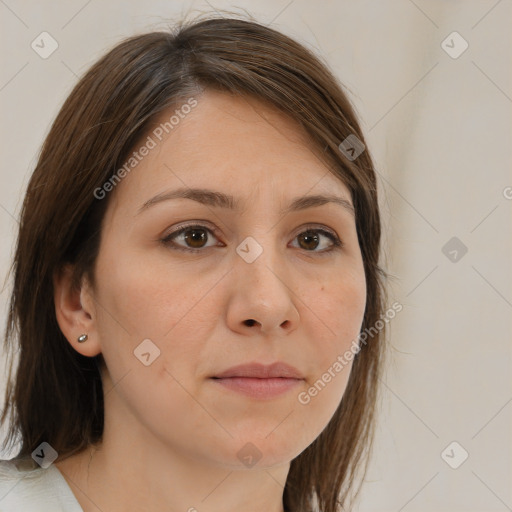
(236,144)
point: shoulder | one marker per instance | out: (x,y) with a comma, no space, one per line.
(24,485)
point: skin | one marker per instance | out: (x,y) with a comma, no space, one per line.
(172,435)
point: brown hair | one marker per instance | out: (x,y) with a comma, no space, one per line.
(56,394)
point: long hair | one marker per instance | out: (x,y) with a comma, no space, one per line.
(55,394)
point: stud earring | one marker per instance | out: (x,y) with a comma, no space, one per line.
(82,338)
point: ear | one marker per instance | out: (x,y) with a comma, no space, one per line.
(75,312)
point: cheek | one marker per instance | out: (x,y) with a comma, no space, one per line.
(139,304)
(338,306)
(149,301)
(172,309)
(337,312)
(319,401)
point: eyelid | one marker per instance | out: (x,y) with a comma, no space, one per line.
(200,224)
(337,242)
(317,227)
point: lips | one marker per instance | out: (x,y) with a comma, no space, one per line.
(261,371)
(259,381)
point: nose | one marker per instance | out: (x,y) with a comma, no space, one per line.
(263,297)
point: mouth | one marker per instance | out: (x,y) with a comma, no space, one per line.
(260,381)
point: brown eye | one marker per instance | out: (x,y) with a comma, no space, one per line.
(312,238)
(190,238)
(195,238)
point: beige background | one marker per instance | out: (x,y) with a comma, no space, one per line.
(439,129)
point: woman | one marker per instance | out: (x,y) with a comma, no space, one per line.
(196,261)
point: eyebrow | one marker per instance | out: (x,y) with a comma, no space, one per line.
(221,200)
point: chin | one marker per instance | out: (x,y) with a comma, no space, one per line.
(264,452)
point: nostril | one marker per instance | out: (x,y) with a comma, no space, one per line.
(250,322)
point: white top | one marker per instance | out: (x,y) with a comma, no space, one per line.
(27,487)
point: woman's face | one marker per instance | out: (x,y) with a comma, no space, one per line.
(174,311)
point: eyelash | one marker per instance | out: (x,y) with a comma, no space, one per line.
(167,240)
